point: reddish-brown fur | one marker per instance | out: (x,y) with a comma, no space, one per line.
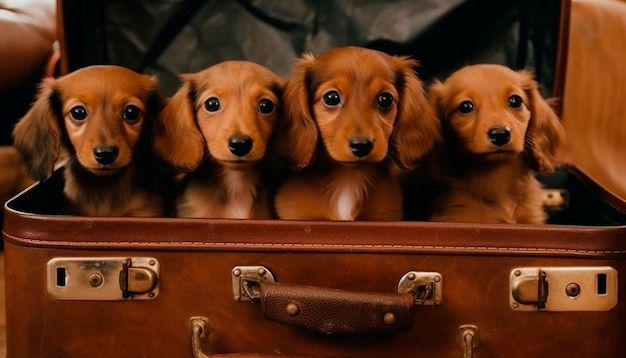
(119,106)
(487,180)
(330,180)
(222,182)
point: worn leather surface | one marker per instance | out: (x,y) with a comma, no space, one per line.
(475,291)
(336,312)
(594,109)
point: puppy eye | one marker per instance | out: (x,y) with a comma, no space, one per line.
(384,100)
(131,113)
(266,106)
(466,107)
(212,104)
(332,98)
(78,113)
(515,101)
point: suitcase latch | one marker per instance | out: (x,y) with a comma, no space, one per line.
(103,278)
(563,288)
(246,282)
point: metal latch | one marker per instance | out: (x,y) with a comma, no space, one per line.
(426,287)
(246,282)
(103,278)
(563,288)
(555,199)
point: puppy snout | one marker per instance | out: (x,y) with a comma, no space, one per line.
(499,135)
(106,155)
(240,145)
(361,146)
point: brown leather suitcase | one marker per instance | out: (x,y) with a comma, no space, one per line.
(127,287)
(167,287)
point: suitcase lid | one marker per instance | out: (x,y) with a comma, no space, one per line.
(150,36)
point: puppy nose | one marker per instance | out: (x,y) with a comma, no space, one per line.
(361,146)
(240,145)
(499,135)
(106,155)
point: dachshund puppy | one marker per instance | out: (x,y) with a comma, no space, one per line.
(100,118)
(347,112)
(498,133)
(216,128)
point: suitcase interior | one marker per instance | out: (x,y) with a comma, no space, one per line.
(583,203)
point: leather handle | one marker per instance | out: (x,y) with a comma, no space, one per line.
(337,312)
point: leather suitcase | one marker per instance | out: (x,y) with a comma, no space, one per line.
(127,287)
(169,287)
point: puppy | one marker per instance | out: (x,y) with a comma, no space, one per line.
(347,112)
(100,118)
(498,132)
(216,128)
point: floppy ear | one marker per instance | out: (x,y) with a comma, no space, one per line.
(296,133)
(438,99)
(417,129)
(545,134)
(177,140)
(37,136)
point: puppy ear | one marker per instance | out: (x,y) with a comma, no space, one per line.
(177,140)
(437,98)
(296,134)
(417,129)
(37,136)
(437,162)
(545,134)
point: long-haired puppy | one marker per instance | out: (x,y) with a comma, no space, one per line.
(498,133)
(216,128)
(100,119)
(347,113)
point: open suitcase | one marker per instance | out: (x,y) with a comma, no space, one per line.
(169,287)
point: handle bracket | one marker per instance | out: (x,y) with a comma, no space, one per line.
(246,282)
(426,287)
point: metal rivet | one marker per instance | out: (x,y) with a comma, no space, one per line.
(389,318)
(517,272)
(515,306)
(437,278)
(151,294)
(261,271)
(95,279)
(293,309)
(411,276)
(573,289)
(152,262)
(237,272)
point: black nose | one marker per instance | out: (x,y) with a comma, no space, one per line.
(361,146)
(240,145)
(499,135)
(106,155)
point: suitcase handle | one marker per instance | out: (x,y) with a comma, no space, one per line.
(337,312)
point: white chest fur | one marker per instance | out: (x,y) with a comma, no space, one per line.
(350,193)
(241,194)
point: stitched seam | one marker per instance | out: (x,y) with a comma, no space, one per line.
(319,246)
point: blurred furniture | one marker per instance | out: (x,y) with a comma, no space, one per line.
(28,29)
